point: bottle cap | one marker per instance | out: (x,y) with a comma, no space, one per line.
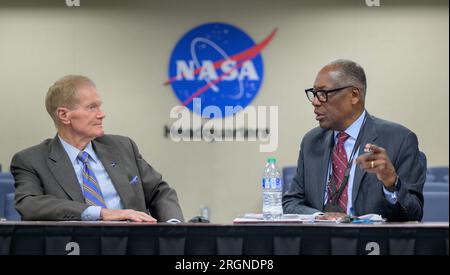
(271,160)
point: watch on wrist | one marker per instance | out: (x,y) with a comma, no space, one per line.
(393,188)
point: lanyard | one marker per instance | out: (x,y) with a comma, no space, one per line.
(336,194)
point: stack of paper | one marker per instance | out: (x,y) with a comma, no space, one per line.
(298,218)
(286,218)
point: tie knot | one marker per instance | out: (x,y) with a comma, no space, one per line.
(83,157)
(342,137)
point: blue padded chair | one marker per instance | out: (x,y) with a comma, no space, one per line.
(11,213)
(288,175)
(437,174)
(6,176)
(435,208)
(435,187)
(435,194)
(7,210)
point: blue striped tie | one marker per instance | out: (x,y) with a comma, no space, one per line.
(91,189)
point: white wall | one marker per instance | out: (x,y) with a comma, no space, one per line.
(124,46)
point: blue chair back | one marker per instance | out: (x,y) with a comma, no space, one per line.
(435,193)
(6,176)
(435,208)
(435,187)
(11,213)
(7,210)
(288,175)
(437,174)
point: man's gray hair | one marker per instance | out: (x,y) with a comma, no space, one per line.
(350,73)
(63,94)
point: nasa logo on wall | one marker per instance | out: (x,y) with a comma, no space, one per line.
(218,63)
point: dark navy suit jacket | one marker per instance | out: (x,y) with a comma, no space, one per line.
(306,193)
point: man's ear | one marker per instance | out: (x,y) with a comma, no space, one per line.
(63,115)
(356,95)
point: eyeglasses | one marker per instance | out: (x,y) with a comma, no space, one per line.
(322,95)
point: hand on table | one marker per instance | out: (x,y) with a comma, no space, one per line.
(125,214)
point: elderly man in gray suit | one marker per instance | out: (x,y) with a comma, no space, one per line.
(83,174)
(354,163)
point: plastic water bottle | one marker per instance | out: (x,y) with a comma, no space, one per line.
(204,211)
(272,191)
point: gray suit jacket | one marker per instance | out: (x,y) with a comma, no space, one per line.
(306,193)
(47,187)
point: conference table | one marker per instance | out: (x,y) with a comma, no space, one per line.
(128,238)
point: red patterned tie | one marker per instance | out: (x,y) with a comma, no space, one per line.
(339,164)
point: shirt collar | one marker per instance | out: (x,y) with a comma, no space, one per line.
(353,129)
(73,152)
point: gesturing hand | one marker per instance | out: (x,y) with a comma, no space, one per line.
(376,161)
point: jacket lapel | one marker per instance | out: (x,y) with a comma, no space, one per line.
(111,160)
(62,169)
(369,136)
(328,142)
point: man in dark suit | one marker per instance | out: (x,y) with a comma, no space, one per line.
(354,163)
(83,174)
